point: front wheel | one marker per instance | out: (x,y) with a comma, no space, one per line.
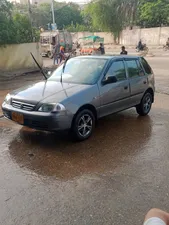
(145,106)
(83,125)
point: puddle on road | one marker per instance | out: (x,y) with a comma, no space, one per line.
(116,140)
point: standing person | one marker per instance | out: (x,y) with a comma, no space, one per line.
(56,54)
(62,53)
(101,49)
(123,52)
(156,217)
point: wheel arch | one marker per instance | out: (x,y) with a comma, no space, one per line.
(151,91)
(89,107)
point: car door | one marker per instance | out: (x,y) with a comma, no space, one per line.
(114,96)
(138,80)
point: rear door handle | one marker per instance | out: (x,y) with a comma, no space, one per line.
(126,87)
(145,82)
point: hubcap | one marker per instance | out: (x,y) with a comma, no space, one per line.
(147,104)
(85,125)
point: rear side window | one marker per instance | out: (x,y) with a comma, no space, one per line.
(147,68)
(133,69)
(117,69)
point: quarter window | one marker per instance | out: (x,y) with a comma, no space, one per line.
(117,69)
(147,68)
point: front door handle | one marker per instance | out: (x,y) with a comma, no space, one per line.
(126,87)
(145,82)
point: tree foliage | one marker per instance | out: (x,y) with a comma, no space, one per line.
(153,13)
(112,15)
(65,14)
(98,15)
(14,27)
(5,21)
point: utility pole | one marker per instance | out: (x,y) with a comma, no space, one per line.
(54,27)
(30,17)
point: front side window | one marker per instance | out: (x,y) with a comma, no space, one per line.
(133,70)
(117,69)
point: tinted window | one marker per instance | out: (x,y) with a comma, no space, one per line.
(133,69)
(146,66)
(117,69)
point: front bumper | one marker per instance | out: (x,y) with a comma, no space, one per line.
(40,120)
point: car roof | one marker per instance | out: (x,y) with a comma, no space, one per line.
(108,57)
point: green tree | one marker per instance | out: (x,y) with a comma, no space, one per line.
(24,33)
(68,14)
(5,22)
(80,28)
(153,13)
(15,27)
(112,15)
(65,14)
(41,15)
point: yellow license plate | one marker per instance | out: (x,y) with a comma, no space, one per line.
(17,117)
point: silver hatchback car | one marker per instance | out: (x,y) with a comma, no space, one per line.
(82,91)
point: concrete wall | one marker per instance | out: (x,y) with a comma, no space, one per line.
(17,57)
(164,34)
(130,37)
(151,36)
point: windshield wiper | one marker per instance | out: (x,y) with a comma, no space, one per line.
(40,68)
(63,69)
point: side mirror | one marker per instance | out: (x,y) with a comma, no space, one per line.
(109,80)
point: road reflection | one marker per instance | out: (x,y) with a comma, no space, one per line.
(117,139)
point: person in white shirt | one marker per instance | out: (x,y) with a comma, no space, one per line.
(156,217)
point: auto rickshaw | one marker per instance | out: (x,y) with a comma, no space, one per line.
(50,39)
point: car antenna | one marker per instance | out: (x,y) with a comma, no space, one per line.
(40,68)
(64,65)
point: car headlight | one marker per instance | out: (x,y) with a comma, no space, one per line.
(7,99)
(52,107)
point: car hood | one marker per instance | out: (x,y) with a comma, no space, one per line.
(46,90)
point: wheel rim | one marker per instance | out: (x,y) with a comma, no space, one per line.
(85,125)
(147,104)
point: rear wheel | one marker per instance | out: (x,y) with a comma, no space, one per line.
(83,125)
(145,106)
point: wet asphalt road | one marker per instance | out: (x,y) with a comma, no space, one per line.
(113,178)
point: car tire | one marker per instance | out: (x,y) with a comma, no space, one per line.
(83,125)
(144,107)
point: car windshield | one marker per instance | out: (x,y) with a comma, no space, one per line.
(80,71)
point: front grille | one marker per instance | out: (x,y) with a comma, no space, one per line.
(36,124)
(22,105)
